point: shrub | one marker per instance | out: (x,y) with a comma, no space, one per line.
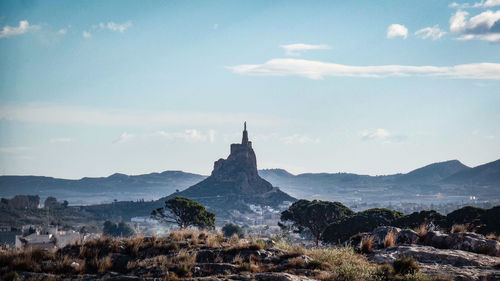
(367,244)
(231,229)
(360,222)
(10,276)
(422,230)
(458,228)
(416,219)
(405,265)
(390,239)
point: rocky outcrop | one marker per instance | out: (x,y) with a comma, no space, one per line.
(269,276)
(235,183)
(457,264)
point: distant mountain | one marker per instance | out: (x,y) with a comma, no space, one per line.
(487,174)
(448,178)
(117,186)
(433,173)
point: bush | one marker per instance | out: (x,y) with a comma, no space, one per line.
(361,222)
(416,219)
(117,230)
(405,265)
(367,244)
(458,228)
(231,229)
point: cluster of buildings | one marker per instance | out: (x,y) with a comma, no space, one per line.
(40,237)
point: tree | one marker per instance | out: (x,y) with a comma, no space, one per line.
(117,230)
(184,212)
(313,216)
(360,222)
(230,229)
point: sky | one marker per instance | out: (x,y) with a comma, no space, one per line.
(91,88)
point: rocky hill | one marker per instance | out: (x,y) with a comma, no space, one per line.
(235,183)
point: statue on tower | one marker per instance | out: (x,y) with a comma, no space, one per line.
(244,141)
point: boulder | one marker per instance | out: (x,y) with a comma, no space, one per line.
(380,233)
(407,236)
(454,264)
(436,239)
(473,242)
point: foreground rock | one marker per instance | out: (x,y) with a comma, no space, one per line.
(457,264)
(270,276)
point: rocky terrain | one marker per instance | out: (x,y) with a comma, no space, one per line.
(192,255)
(203,255)
(457,256)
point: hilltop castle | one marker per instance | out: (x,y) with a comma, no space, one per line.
(235,183)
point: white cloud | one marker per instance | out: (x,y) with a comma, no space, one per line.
(14,149)
(189,135)
(484,26)
(397,30)
(319,70)
(381,135)
(215,26)
(211,136)
(63,31)
(58,114)
(482,4)
(433,33)
(299,139)
(24,26)
(86,34)
(115,26)
(297,49)
(61,140)
(124,137)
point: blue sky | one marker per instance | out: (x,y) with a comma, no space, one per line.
(89,88)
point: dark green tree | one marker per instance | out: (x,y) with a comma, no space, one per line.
(360,222)
(117,230)
(184,212)
(313,216)
(230,229)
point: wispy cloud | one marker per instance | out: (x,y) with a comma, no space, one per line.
(124,137)
(433,33)
(59,114)
(298,48)
(319,70)
(397,30)
(116,26)
(63,31)
(215,26)
(86,34)
(189,135)
(24,26)
(482,4)
(484,26)
(381,135)
(299,139)
(14,149)
(61,140)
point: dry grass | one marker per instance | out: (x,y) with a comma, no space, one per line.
(238,259)
(456,228)
(104,264)
(367,244)
(390,239)
(422,230)
(493,236)
(215,241)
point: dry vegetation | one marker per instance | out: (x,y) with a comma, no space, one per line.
(459,228)
(184,254)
